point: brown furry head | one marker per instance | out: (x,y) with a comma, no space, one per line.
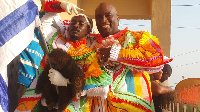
(59,58)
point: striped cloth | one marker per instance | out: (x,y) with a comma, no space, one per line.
(29,99)
(17,23)
(29,62)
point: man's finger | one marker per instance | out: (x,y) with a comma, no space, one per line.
(51,70)
(74,9)
(79,9)
(69,10)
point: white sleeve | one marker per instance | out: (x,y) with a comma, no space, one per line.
(59,25)
(46,25)
(37,21)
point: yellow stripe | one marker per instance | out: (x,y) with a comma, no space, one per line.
(118,107)
(138,86)
(89,104)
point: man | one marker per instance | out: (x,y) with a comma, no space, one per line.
(158,91)
(107,22)
(131,87)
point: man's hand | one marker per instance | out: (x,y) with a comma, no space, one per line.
(69,7)
(57,79)
(104,53)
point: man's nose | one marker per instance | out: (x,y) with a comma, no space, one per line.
(104,19)
(76,24)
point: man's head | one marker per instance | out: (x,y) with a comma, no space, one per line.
(107,20)
(80,26)
(167,71)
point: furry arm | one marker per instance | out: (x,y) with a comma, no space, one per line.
(57,79)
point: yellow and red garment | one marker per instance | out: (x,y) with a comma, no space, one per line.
(139,50)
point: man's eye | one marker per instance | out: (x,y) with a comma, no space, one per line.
(99,17)
(81,24)
(108,15)
(72,23)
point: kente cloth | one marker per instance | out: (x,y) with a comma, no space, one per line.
(29,62)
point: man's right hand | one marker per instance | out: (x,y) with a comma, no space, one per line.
(104,54)
(57,79)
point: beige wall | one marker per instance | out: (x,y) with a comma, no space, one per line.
(127,9)
(161,23)
(158,11)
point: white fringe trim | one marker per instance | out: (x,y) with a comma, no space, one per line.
(46,28)
(114,52)
(99,91)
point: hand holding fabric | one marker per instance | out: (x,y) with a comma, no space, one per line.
(69,7)
(57,79)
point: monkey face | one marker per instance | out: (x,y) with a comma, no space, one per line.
(59,59)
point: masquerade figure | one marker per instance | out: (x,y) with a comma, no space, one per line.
(59,97)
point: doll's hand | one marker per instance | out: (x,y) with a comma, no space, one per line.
(57,79)
(69,7)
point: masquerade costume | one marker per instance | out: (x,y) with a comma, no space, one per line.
(135,53)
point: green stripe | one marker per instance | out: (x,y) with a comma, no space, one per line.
(103,80)
(82,56)
(51,41)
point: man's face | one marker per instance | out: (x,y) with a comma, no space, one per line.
(107,20)
(77,28)
(158,75)
(165,76)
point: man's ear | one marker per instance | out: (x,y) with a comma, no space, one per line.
(118,19)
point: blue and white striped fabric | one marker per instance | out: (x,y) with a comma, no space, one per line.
(29,62)
(17,23)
